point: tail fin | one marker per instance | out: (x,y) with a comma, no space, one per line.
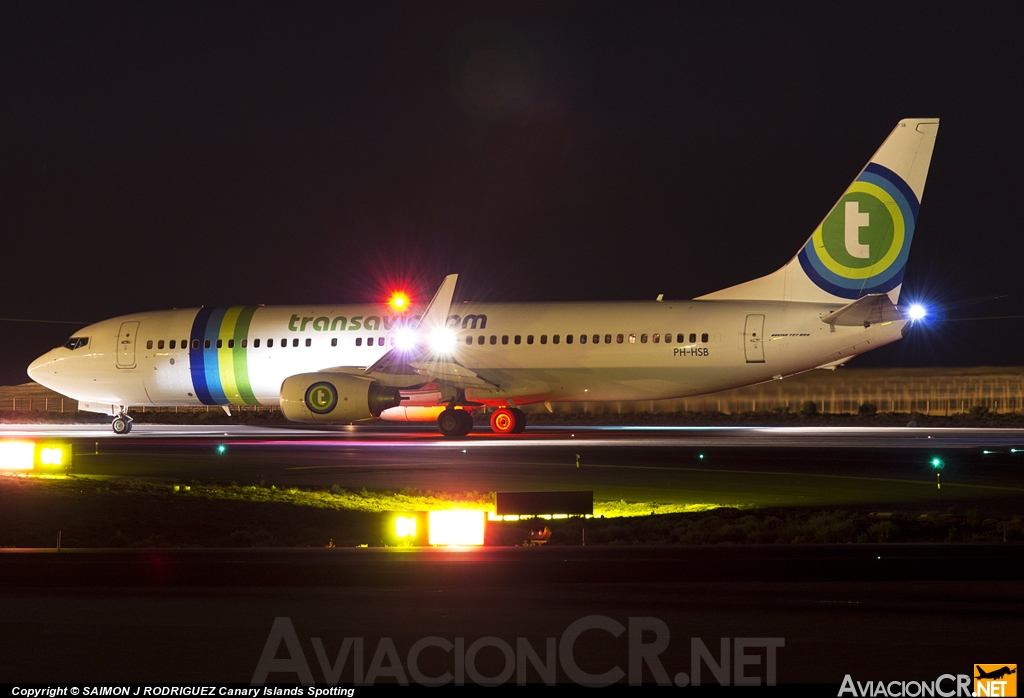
(862,245)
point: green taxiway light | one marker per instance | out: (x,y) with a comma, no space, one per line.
(700,456)
(937,463)
(221,449)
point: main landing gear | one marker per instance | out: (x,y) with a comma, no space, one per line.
(508,421)
(453,422)
(122,424)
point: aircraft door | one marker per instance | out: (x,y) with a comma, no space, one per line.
(753,339)
(126,344)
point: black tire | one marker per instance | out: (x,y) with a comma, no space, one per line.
(120,425)
(520,420)
(449,422)
(465,422)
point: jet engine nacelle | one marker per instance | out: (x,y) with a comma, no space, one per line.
(326,398)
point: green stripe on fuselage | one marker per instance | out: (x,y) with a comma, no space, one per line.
(241,364)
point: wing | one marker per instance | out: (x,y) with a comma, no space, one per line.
(430,358)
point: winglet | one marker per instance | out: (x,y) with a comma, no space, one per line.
(437,312)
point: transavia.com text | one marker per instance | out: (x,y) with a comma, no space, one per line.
(732,662)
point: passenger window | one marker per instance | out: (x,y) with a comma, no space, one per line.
(693,337)
(231,344)
(160,344)
(195,343)
(632,339)
(643,339)
(618,339)
(392,341)
(149,344)
(554,340)
(184,344)
(529,339)
(543,339)
(680,338)
(480,339)
(284,342)
(657,338)
(504,339)
(380,341)
(494,339)
(469,340)
(568,339)
(220,343)
(270,343)
(172,344)
(295,342)
(359,341)
(607,339)
(206,344)
(518,339)
(704,338)
(309,342)
(256,343)
(583,339)
(245,343)
(334,341)
(597,338)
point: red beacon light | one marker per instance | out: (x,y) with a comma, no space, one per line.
(399,301)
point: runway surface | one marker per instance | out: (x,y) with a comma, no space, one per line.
(756,466)
(877,612)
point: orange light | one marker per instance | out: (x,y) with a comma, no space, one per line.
(456,527)
(17,455)
(399,301)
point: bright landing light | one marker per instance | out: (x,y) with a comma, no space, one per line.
(917,312)
(405,338)
(442,340)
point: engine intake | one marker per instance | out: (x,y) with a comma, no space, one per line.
(325,398)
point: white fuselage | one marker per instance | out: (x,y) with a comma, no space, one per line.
(657,350)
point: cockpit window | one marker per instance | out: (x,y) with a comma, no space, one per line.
(76,343)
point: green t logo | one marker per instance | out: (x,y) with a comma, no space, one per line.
(321,397)
(855,220)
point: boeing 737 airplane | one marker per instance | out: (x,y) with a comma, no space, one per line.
(835,299)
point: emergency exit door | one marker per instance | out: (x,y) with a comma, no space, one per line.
(753,339)
(126,344)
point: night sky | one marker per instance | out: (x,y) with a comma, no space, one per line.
(158,155)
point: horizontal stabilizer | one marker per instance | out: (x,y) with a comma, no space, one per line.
(869,310)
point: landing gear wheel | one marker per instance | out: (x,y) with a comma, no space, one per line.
(520,418)
(121,425)
(466,422)
(503,421)
(455,422)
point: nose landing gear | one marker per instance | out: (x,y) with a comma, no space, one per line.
(122,424)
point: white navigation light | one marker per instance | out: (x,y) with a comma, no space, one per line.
(405,338)
(442,340)
(917,312)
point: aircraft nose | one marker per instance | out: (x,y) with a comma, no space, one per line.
(37,369)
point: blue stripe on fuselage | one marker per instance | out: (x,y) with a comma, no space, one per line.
(196,356)
(211,362)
